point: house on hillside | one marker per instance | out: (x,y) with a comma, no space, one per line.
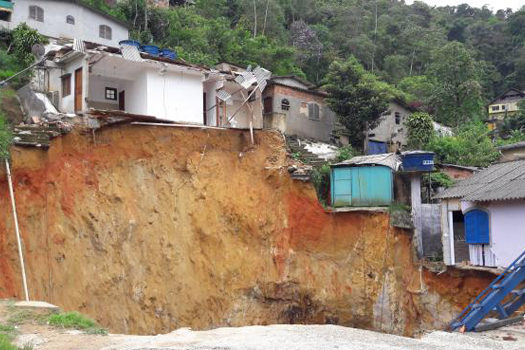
(59,19)
(512,151)
(390,135)
(482,217)
(88,78)
(504,105)
(457,172)
(297,108)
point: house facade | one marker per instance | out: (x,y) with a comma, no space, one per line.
(390,135)
(512,151)
(482,217)
(504,105)
(68,19)
(296,107)
(100,78)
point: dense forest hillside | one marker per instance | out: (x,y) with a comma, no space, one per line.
(390,38)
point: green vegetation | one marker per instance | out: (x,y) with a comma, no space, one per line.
(420,130)
(5,138)
(321,181)
(344,153)
(7,334)
(357,97)
(77,321)
(470,146)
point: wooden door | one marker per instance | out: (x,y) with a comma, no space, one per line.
(78,90)
(122,100)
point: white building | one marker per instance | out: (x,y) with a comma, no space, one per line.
(482,217)
(64,19)
(108,79)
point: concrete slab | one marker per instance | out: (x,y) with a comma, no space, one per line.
(37,305)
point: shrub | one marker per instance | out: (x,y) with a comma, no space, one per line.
(344,153)
(420,130)
(5,138)
(321,181)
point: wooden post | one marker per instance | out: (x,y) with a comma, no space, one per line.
(415,195)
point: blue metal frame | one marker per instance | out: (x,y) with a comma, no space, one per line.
(490,299)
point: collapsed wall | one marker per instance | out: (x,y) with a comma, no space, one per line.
(148,229)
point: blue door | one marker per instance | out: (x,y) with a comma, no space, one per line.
(341,185)
(477,227)
(371,186)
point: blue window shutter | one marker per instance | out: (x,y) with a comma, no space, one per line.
(477,227)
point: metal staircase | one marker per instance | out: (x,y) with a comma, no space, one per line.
(503,296)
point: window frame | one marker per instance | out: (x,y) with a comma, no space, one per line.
(111,91)
(314,111)
(494,108)
(70,19)
(285,104)
(105,32)
(66,84)
(36,13)
(397,118)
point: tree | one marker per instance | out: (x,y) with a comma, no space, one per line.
(23,40)
(357,97)
(456,96)
(419,89)
(420,130)
(471,146)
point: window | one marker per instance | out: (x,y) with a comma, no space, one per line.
(313,111)
(70,19)
(268,104)
(503,107)
(104,31)
(111,94)
(398,118)
(285,104)
(36,13)
(5,15)
(495,108)
(66,85)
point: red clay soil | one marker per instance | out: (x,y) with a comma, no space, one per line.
(148,229)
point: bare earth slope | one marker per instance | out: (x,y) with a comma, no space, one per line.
(149,229)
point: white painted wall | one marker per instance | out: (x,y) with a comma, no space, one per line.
(175,96)
(86,25)
(507,228)
(136,96)
(67,103)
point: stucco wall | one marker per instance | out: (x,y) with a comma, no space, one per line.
(507,238)
(295,121)
(175,96)
(388,130)
(86,25)
(67,103)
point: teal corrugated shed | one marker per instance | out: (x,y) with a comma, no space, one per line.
(361,186)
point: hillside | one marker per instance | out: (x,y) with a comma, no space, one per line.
(392,39)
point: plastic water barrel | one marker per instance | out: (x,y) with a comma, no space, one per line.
(130,43)
(167,53)
(151,50)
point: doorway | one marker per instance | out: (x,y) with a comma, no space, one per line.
(122,100)
(78,90)
(461,249)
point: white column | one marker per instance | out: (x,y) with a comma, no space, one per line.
(415,195)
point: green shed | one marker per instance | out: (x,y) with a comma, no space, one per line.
(364,181)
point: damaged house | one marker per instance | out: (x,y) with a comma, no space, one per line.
(85,78)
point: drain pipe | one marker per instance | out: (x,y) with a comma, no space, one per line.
(17,230)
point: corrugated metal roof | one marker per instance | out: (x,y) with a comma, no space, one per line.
(390,160)
(502,181)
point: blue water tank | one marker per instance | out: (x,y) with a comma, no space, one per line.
(151,50)
(418,161)
(167,53)
(130,43)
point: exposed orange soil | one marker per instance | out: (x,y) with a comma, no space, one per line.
(148,229)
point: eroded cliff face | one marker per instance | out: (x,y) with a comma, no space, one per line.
(148,229)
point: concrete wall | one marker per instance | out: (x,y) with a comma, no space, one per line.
(457,173)
(431,230)
(175,96)
(67,103)
(86,25)
(295,121)
(388,130)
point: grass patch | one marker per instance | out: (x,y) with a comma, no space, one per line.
(76,320)
(5,343)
